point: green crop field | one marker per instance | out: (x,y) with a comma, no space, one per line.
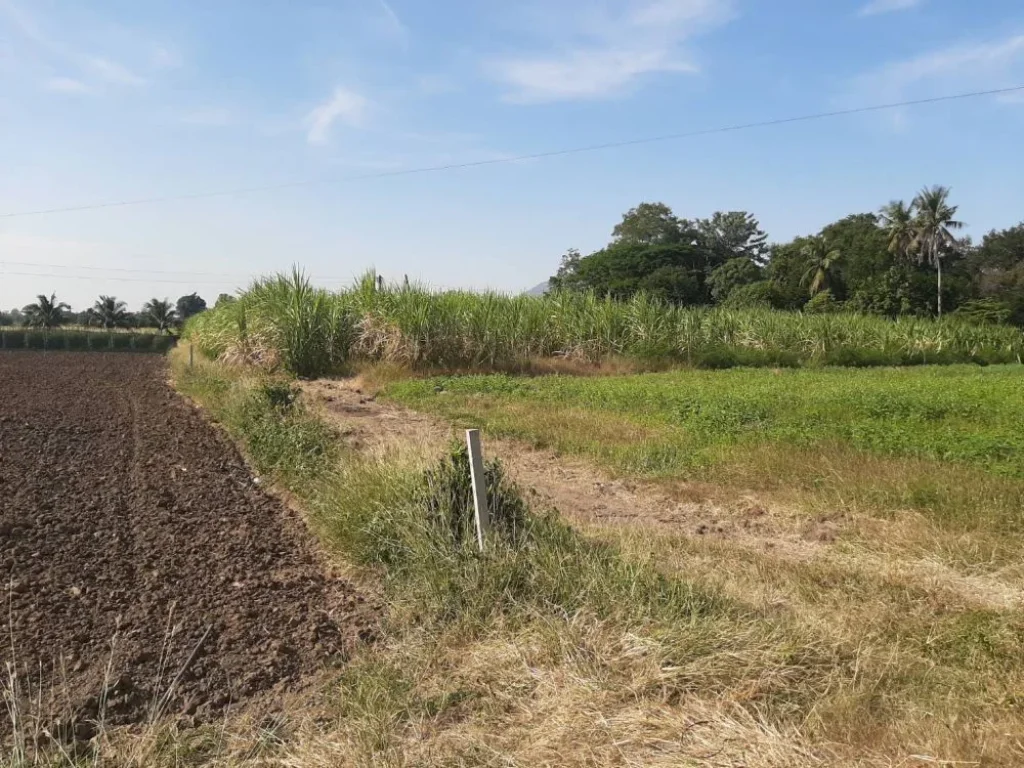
(80,340)
(285,321)
(944,441)
(958,413)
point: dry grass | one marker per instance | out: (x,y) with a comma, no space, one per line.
(895,640)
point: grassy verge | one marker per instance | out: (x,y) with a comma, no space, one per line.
(941,442)
(561,649)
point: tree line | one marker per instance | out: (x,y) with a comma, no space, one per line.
(906,259)
(108,312)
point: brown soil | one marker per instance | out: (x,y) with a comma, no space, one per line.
(145,572)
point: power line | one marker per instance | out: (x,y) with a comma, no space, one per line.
(520,158)
(117,279)
(233,275)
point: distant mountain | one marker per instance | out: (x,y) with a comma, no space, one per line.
(539,290)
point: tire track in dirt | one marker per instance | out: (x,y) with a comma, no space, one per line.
(132,535)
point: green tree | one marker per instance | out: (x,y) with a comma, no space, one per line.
(224,298)
(822,264)
(45,312)
(649,224)
(160,313)
(564,278)
(622,270)
(732,275)
(934,223)
(732,235)
(897,219)
(109,313)
(997,267)
(189,305)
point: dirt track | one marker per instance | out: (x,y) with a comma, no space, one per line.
(132,533)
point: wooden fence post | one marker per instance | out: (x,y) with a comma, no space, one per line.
(479,480)
(191,356)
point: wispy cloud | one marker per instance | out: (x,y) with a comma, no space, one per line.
(92,69)
(877,7)
(599,51)
(67,85)
(390,12)
(957,68)
(345,105)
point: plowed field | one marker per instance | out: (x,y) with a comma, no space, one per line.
(145,571)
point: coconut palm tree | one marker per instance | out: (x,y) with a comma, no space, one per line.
(108,312)
(898,222)
(933,225)
(46,312)
(822,261)
(160,312)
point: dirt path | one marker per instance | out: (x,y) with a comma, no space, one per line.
(139,556)
(580,491)
(589,497)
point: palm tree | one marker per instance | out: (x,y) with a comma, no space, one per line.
(160,312)
(933,224)
(898,222)
(46,312)
(823,259)
(109,312)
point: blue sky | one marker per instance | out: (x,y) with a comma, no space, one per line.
(112,100)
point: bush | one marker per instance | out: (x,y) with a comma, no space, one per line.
(822,303)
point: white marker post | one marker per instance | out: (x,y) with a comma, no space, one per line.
(479,480)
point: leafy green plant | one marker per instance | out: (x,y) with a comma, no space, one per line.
(284,322)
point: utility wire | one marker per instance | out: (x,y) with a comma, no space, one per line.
(520,158)
(117,279)
(234,275)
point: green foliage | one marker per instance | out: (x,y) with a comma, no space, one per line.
(822,303)
(957,414)
(732,235)
(447,498)
(648,224)
(46,312)
(987,310)
(732,274)
(667,272)
(285,322)
(68,340)
(109,313)
(189,306)
(411,523)
(822,263)
(160,313)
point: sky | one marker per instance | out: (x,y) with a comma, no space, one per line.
(331,106)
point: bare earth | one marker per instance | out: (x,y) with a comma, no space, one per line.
(145,572)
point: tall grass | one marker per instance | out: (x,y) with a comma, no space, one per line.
(284,320)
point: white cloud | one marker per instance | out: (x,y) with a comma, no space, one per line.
(876,7)
(392,16)
(53,52)
(67,85)
(599,51)
(953,69)
(345,105)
